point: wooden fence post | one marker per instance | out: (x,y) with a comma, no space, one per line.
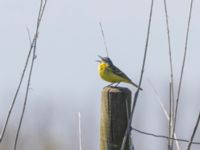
(115,110)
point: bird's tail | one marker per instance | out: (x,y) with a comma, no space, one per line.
(136,85)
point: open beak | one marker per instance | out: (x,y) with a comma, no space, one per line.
(98,61)
(100,57)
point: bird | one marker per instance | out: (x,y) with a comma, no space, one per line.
(109,72)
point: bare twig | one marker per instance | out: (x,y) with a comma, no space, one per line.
(183,66)
(172,101)
(128,114)
(170,117)
(127,132)
(164,111)
(104,39)
(17,91)
(79,129)
(41,10)
(16,94)
(21,80)
(170,51)
(194,132)
(24,106)
(163,136)
(29,34)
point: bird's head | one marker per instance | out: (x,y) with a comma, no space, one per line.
(105,60)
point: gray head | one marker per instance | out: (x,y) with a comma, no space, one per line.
(106,60)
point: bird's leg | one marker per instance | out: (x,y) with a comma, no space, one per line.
(117,84)
(109,85)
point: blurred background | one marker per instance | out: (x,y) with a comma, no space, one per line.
(65,79)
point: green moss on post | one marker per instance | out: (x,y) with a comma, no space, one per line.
(115,109)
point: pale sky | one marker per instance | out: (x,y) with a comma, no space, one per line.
(65,79)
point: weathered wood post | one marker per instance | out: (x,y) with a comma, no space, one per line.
(115,110)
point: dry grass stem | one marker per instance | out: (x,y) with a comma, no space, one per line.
(183,66)
(165,113)
(128,130)
(104,39)
(41,11)
(79,129)
(194,132)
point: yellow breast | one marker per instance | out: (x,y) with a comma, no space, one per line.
(102,69)
(107,74)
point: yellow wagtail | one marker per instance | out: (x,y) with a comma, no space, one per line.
(109,72)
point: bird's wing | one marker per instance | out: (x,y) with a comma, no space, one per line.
(118,72)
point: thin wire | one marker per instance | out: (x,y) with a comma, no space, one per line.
(163,136)
(183,66)
(104,39)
